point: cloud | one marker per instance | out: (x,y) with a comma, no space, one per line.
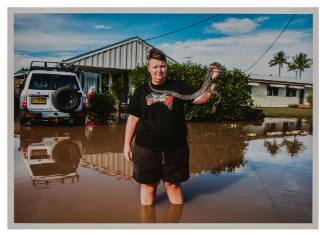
(261,19)
(237,26)
(102,27)
(44,45)
(40,41)
(243,50)
(24,60)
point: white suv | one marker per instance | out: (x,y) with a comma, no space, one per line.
(52,93)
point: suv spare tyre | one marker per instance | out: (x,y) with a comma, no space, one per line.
(66,99)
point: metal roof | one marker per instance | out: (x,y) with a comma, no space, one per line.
(114,45)
(282,80)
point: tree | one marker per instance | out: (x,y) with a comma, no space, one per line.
(119,90)
(302,62)
(21,70)
(100,106)
(293,67)
(279,59)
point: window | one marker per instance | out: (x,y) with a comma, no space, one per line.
(59,81)
(290,92)
(272,91)
(40,82)
(90,81)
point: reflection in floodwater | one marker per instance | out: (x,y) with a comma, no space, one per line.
(109,163)
(53,159)
(273,128)
(103,151)
(173,214)
(221,148)
(50,158)
(277,127)
(272,147)
(293,147)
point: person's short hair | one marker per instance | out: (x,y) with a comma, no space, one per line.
(157,54)
(218,65)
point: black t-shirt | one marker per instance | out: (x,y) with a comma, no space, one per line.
(162,120)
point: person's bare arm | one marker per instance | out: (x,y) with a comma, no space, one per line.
(204,98)
(129,134)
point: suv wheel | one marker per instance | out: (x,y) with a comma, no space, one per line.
(66,155)
(66,99)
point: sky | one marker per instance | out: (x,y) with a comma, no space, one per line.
(235,40)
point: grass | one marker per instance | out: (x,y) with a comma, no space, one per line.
(287,112)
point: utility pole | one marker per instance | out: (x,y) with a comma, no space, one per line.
(188,59)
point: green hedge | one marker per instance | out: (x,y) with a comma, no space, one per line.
(100,105)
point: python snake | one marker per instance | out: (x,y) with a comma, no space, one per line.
(207,85)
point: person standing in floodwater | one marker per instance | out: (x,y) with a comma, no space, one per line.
(158,123)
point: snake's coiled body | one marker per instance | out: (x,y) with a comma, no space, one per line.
(208,82)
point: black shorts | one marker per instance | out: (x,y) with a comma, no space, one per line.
(150,166)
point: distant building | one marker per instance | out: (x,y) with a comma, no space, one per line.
(270,91)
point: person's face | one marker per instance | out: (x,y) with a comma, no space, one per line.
(157,70)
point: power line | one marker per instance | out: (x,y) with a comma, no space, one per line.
(183,28)
(272,44)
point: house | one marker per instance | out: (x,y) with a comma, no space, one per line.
(99,68)
(272,91)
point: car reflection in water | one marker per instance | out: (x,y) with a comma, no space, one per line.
(51,156)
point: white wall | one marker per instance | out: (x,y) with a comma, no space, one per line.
(260,98)
(307,92)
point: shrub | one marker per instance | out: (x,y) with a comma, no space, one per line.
(138,76)
(100,106)
(293,106)
(119,90)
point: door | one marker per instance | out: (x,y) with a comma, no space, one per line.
(301,96)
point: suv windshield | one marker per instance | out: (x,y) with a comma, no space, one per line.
(52,81)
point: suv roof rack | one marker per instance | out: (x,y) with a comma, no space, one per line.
(51,65)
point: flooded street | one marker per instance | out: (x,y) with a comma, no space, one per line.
(240,173)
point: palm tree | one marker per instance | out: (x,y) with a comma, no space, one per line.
(302,62)
(292,66)
(279,59)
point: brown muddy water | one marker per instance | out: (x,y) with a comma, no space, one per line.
(240,173)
